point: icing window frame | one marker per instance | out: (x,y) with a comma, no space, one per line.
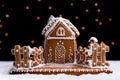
(60,31)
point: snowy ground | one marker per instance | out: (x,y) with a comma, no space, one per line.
(5,67)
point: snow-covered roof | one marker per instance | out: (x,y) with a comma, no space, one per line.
(52,22)
(93,39)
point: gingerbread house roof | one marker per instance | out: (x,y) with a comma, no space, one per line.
(52,22)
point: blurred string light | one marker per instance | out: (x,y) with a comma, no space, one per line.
(95,4)
(98,10)
(2,5)
(86,10)
(32,41)
(1,25)
(6,34)
(38,17)
(27,7)
(83,0)
(39,0)
(7,15)
(50,7)
(76,17)
(113,43)
(0,41)
(83,28)
(110,19)
(96,19)
(100,23)
(71,4)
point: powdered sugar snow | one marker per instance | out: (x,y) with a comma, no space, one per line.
(6,66)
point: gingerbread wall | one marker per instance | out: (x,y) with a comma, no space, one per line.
(65,48)
(60,47)
(54,32)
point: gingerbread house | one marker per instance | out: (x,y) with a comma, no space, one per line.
(60,40)
(60,54)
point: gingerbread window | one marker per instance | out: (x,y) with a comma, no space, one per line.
(60,31)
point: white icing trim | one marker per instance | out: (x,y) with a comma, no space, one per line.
(75,49)
(61,54)
(51,28)
(94,39)
(72,26)
(45,54)
(99,53)
(59,20)
(70,55)
(48,38)
(60,31)
(53,22)
(49,55)
(69,29)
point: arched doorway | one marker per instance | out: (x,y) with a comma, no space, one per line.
(60,54)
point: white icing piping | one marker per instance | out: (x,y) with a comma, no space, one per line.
(51,24)
(48,38)
(51,28)
(73,27)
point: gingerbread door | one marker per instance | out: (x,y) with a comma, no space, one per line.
(60,54)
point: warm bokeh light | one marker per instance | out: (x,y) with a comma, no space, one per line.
(24,20)
(86,10)
(39,0)
(50,7)
(6,34)
(83,0)
(98,10)
(7,15)
(32,41)
(2,5)
(27,7)
(71,4)
(110,19)
(76,17)
(0,41)
(1,25)
(113,43)
(96,19)
(100,23)
(38,17)
(82,28)
(96,4)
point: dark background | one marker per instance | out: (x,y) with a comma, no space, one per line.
(21,22)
